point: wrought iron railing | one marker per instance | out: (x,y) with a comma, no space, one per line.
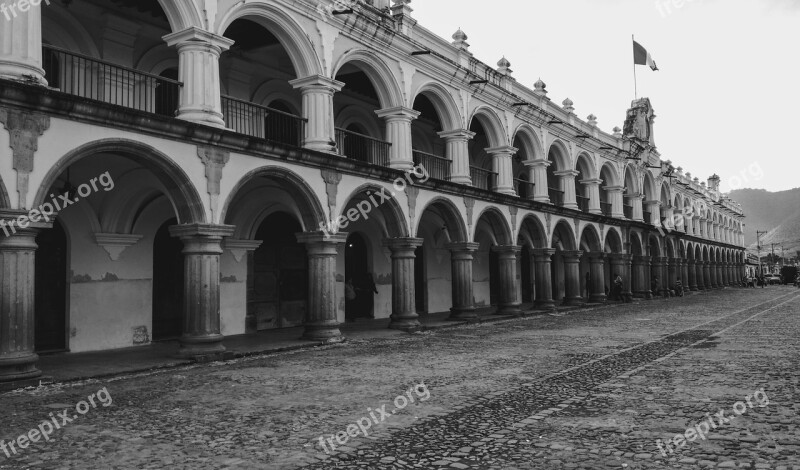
(362,148)
(646,216)
(628,211)
(482,179)
(583,203)
(606,208)
(524,188)
(94,79)
(556,196)
(439,168)
(263,122)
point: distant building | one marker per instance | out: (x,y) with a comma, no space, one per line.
(229,168)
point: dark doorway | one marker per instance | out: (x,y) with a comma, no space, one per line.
(494,278)
(419,280)
(527,283)
(356,268)
(279,294)
(51,290)
(167,284)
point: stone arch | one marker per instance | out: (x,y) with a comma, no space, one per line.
(353,114)
(590,240)
(560,156)
(381,76)
(563,237)
(394,221)
(158,59)
(495,224)
(585,164)
(532,233)
(491,122)
(613,241)
(654,246)
(649,187)
(180,190)
(530,142)
(309,210)
(444,103)
(637,247)
(60,28)
(5,201)
(182,14)
(446,210)
(290,34)
(609,170)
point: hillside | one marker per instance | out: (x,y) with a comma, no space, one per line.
(778,213)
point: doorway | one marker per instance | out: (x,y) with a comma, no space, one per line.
(356,269)
(51,290)
(167,284)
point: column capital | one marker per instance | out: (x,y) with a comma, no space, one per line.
(317,83)
(638,196)
(543,253)
(567,173)
(619,257)
(23,227)
(503,150)
(456,135)
(652,203)
(398,113)
(507,249)
(463,247)
(403,244)
(614,189)
(597,256)
(213,231)
(591,182)
(641,259)
(311,238)
(572,256)
(537,163)
(194,36)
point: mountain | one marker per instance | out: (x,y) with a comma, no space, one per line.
(776,213)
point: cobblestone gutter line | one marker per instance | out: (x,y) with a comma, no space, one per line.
(478,430)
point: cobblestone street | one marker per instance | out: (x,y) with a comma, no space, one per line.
(592,388)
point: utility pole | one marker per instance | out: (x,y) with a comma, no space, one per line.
(758,245)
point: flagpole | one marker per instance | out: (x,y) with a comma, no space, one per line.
(635,85)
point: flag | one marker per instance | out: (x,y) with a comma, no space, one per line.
(642,57)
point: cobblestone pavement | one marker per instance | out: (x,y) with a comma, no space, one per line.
(589,389)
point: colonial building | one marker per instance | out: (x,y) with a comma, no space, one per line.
(200,168)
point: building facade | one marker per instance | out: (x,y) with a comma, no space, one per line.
(203,168)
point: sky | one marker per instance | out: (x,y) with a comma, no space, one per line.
(727,95)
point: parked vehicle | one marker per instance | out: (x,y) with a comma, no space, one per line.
(773,279)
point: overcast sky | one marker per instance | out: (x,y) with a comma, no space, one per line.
(727,94)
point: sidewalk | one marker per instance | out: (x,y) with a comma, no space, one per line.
(67,367)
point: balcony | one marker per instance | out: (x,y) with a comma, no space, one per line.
(93,79)
(439,168)
(583,203)
(647,216)
(606,208)
(482,179)
(362,148)
(556,196)
(263,122)
(524,188)
(628,211)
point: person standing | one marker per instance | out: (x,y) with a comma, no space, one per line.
(368,289)
(350,301)
(617,289)
(679,288)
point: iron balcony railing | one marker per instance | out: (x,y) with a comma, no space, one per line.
(482,179)
(94,79)
(524,188)
(556,196)
(362,148)
(647,217)
(583,203)
(439,168)
(628,211)
(263,122)
(606,208)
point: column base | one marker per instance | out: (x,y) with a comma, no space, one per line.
(513,310)
(597,298)
(571,205)
(544,305)
(543,199)
(16,368)
(461,179)
(401,165)
(324,146)
(463,314)
(405,323)
(202,117)
(574,302)
(199,346)
(327,332)
(507,191)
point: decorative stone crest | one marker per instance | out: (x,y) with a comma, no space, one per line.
(214,159)
(24,129)
(332,178)
(470,205)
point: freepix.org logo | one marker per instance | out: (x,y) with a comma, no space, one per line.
(12,10)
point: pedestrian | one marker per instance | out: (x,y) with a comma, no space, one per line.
(617,292)
(368,289)
(679,288)
(350,301)
(654,286)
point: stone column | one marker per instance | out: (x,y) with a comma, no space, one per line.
(501,164)
(635,201)
(398,132)
(461,257)
(199,53)
(669,218)
(597,291)
(654,207)
(202,247)
(656,268)
(457,142)
(507,269)
(568,186)
(721,274)
(707,275)
(685,274)
(572,271)
(700,274)
(21,43)
(616,193)
(692,275)
(17,310)
(317,92)
(544,281)
(322,319)
(641,274)
(539,179)
(673,268)
(404,301)
(593,190)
